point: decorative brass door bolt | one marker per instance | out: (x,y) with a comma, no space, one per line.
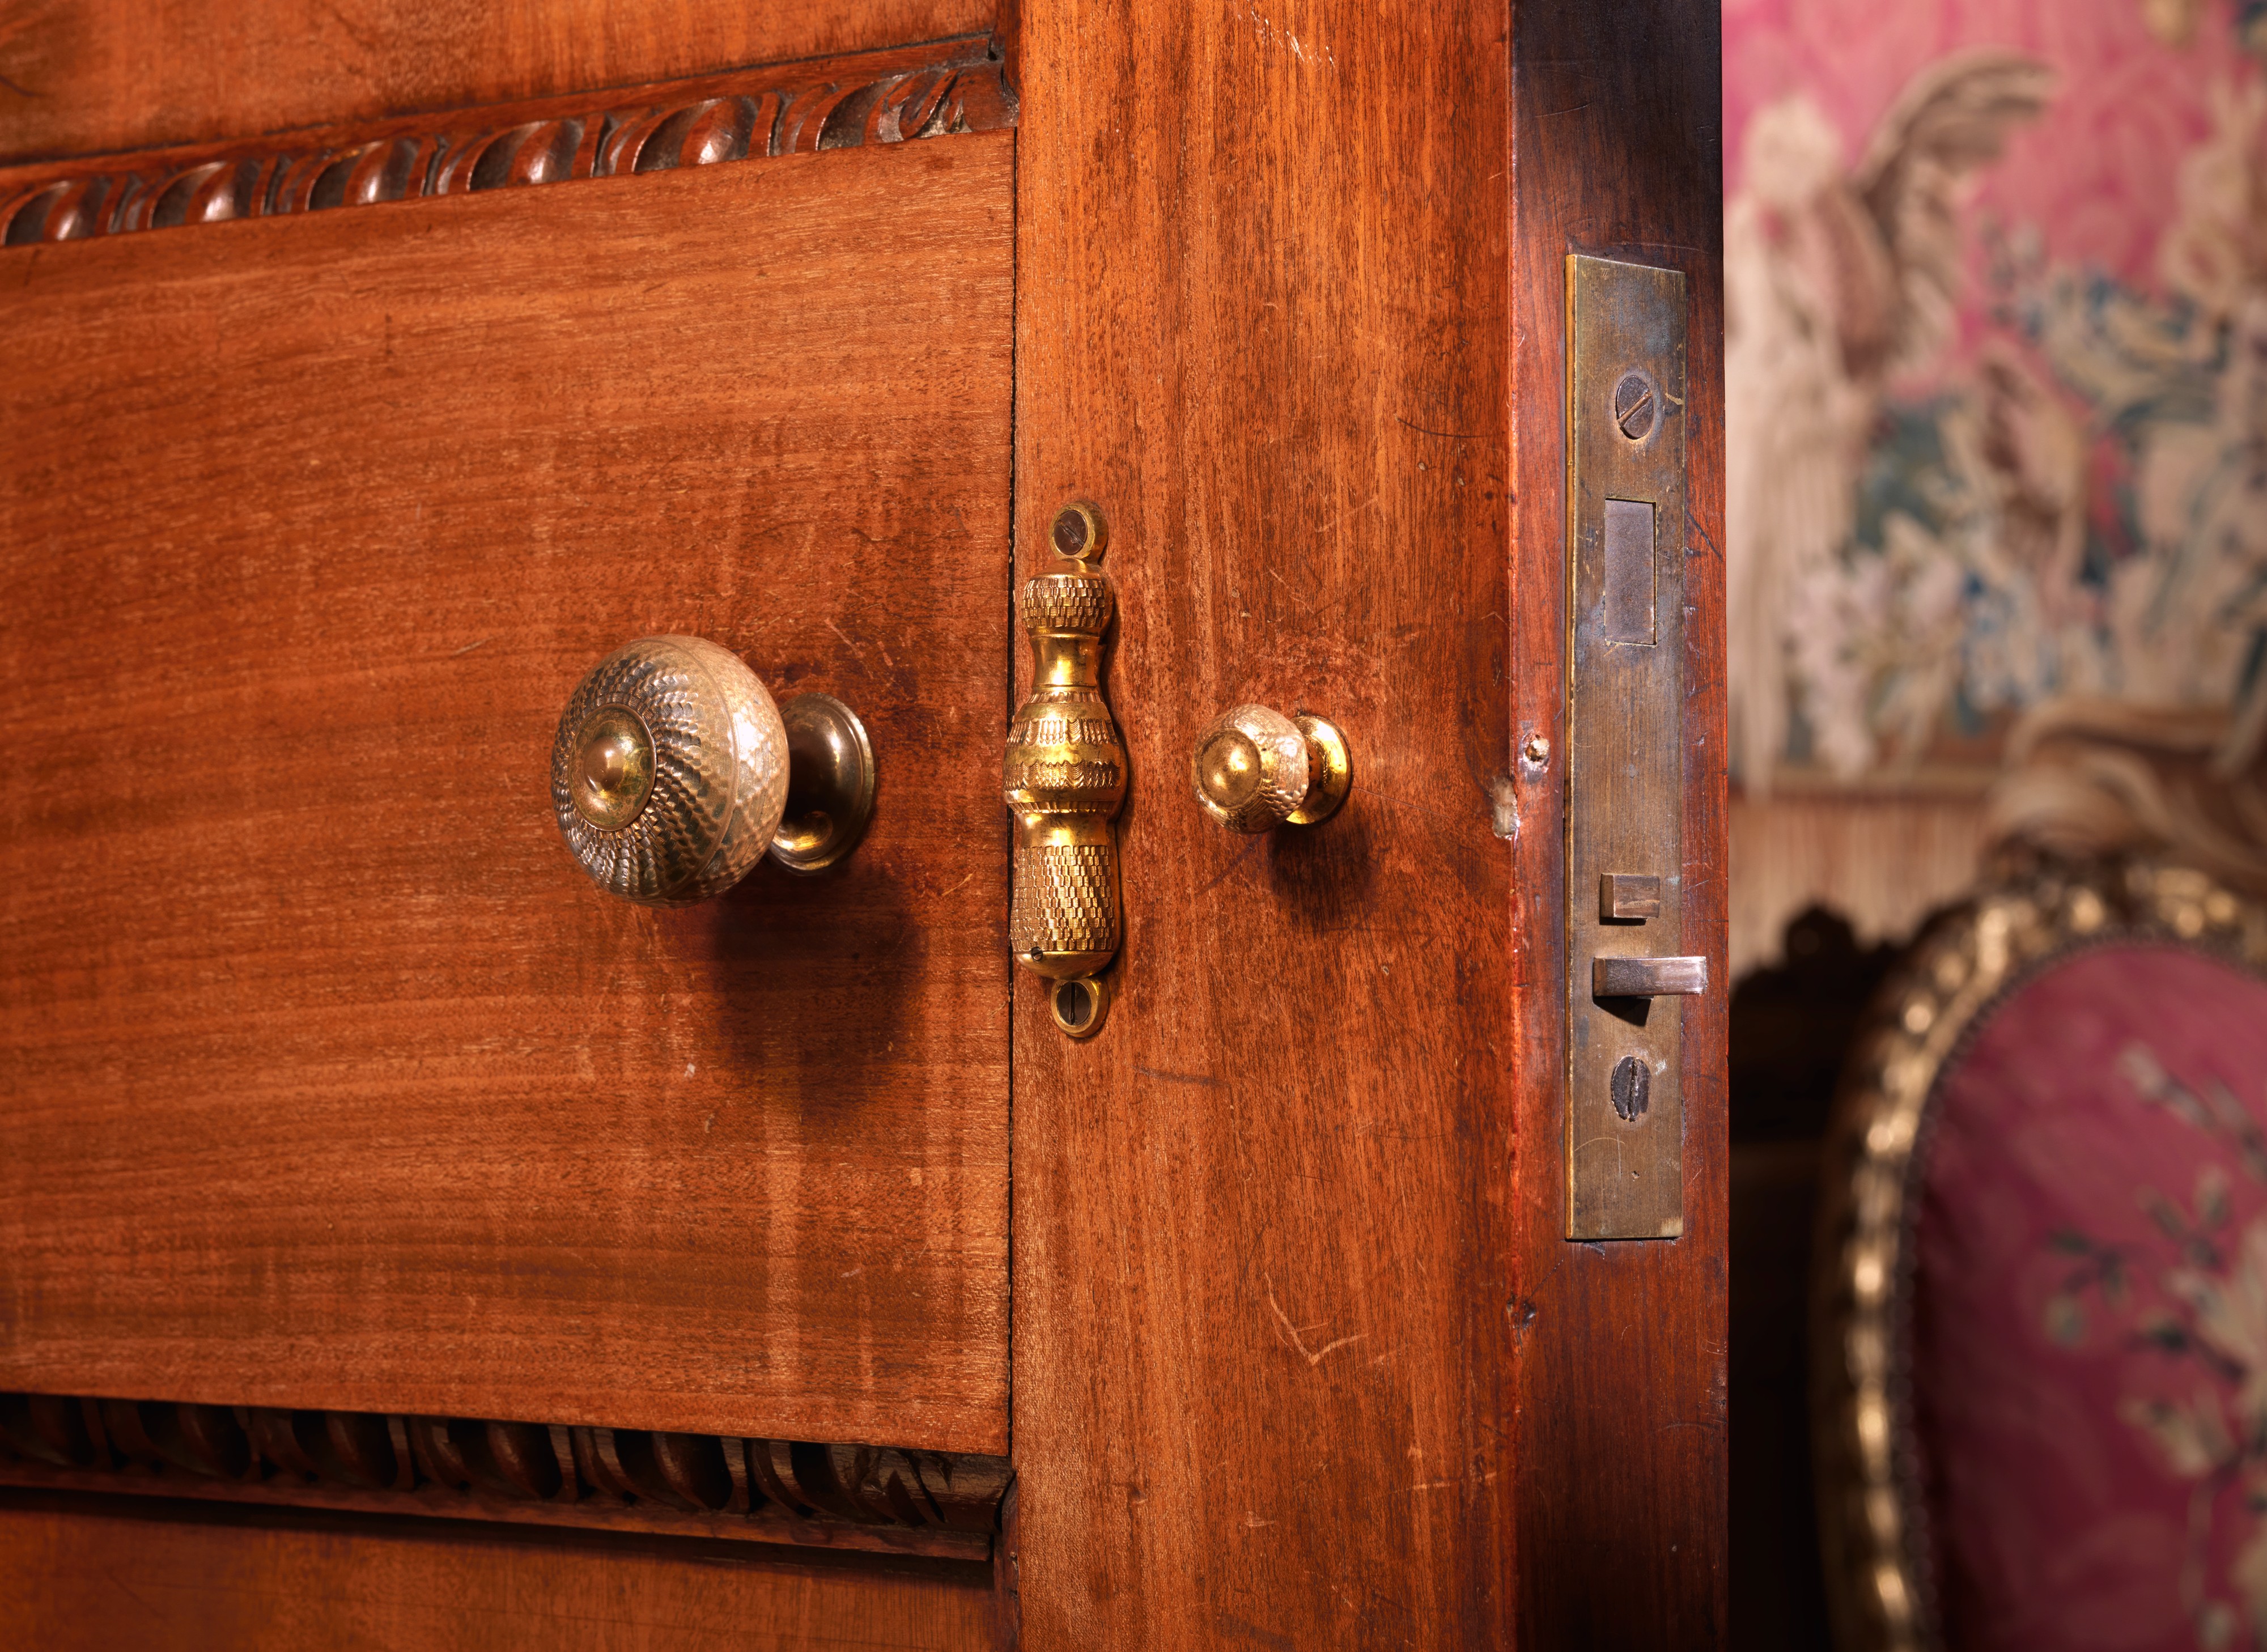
(1065,776)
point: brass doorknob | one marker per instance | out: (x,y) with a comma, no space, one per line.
(1256,768)
(673,772)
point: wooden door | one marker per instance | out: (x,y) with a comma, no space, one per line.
(406,1240)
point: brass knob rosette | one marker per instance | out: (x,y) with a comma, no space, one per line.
(673,771)
(1255,769)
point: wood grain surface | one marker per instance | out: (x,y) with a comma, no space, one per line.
(1262,1235)
(81,75)
(328,1078)
(1621,1423)
(100,1578)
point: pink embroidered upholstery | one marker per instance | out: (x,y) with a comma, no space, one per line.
(2088,1311)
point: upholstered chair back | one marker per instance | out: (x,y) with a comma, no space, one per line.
(2040,1386)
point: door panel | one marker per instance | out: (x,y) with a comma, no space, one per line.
(92,1578)
(1360,1389)
(330,1079)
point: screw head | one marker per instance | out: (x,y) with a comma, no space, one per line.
(1079,533)
(1630,1089)
(1636,407)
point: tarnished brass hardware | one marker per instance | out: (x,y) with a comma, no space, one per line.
(1256,768)
(1622,751)
(1630,1089)
(1628,897)
(672,769)
(1648,977)
(1635,407)
(1079,1005)
(1079,533)
(830,784)
(1064,778)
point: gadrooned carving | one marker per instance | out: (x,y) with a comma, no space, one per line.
(770,1490)
(891,97)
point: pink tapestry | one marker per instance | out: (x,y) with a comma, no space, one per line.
(1996,283)
(2089,1313)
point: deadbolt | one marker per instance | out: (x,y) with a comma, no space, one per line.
(1648,977)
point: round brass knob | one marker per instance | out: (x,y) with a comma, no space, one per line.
(1256,768)
(673,772)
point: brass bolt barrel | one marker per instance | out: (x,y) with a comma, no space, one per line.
(1065,777)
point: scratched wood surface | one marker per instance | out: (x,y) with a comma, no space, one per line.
(1621,1423)
(100,1578)
(1263,1250)
(328,1078)
(79,75)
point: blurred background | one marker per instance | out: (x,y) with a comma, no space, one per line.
(1997,366)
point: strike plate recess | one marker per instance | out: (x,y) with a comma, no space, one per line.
(1624,775)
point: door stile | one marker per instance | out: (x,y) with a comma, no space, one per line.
(1262,1249)
(1617,117)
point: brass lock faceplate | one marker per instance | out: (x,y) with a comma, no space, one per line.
(1624,778)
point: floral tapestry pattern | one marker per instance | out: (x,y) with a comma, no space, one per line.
(1996,285)
(2089,1313)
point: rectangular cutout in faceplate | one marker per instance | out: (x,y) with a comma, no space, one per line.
(1629,571)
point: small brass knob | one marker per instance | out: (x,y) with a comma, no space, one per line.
(673,772)
(1256,768)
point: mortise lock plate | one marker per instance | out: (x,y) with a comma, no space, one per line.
(1626,969)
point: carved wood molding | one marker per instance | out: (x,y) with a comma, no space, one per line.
(767,1491)
(887,97)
